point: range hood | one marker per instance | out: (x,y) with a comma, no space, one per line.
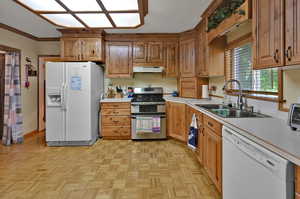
(148,69)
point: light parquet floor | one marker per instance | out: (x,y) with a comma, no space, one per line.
(107,170)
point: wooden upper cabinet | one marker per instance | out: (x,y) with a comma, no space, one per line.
(172,59)
(82,49)
(268,35)
(70,49)
(216,58)
(292,32)
(202,53)
(187,58)
(140,52)
(118,59)
(92,49)
(148,53)
(155,53)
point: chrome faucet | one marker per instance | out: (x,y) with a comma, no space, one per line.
(240,101)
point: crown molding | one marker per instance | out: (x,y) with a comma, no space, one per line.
(27,35)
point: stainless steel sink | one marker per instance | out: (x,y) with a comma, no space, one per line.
(229,112)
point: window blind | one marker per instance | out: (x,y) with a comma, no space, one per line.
(239,67)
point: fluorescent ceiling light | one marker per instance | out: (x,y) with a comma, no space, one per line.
(82,5)
(95,20)
(126,19)
(45,5)
(113,5)
(66,20)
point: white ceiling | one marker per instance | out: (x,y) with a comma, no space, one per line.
(165,16)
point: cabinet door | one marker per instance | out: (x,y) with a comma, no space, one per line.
(155,53)
(213,157)
(119,59)
(268,37)
(140,52)
(202,54)
(70,49)
(172,59)
(176,122)
(187,62)
(292,31)
(92,49)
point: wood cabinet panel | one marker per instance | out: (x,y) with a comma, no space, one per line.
(116,112)
(70,49)
(119,59)
(121,105)
(82,49)
(202,53)
(216,57)
(212,124)
(187,58)
(113,131)
(191,87)
(116,121)
(176,121)
(92,49)
(140,52)
(268,36)
(213,157)
(155,53)
(172,59)
(292,32)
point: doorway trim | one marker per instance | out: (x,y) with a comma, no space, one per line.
(47,58)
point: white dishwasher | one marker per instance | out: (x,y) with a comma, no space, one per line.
(252,172)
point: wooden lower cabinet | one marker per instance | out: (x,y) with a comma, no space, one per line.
(115,120)
(213,156)
(176,121)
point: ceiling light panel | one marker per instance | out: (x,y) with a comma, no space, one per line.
(126,19)
(42,5)
(95,20)
(116,5)
(82,5)
(66,20)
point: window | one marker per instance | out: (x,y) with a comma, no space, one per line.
(239,67)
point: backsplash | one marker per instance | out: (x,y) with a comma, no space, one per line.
(145,80)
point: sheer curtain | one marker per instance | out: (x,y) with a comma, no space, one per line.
(13,120)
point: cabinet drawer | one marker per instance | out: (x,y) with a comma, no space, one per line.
(118,105)
(112,131)
(115,112)
(116,121)
(213,125)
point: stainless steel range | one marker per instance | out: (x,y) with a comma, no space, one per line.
(148,113)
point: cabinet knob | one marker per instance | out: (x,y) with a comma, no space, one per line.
(289,53)
(276,56)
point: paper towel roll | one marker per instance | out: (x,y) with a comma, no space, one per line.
(205,93)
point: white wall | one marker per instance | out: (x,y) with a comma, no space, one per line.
(29,48)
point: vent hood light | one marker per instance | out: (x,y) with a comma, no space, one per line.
(147,69)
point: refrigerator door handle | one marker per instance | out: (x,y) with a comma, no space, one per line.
(62,94)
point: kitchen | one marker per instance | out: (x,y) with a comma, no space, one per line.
(218,86)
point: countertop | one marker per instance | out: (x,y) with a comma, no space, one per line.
(125,99)
(272,133)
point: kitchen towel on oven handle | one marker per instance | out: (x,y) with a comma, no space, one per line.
(193,134)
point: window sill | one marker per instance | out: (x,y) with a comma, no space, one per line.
(269,98)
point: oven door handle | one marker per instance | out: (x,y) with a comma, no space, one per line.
(134,117)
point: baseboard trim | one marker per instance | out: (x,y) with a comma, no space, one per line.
(32,133)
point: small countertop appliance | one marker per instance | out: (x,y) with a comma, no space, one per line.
(294,117)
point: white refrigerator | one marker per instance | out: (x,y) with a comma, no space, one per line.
(73,91)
